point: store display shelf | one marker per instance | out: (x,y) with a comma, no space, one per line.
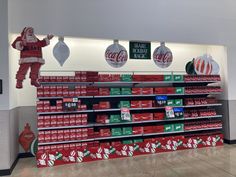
(68,112)
(61,97)
(120,96)
(64,142)
(117,137)
(183,131)
(203,129)
(131,83)
(66,127)
(202,105)
(128,136)
(131,109)
(128,123)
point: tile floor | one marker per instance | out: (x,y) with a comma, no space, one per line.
(207,162)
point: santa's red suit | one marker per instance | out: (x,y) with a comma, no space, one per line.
(30,48)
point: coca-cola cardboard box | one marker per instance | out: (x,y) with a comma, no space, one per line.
(78,134)
(78,119)
(60,135)
(146,103)
(73,134)
(41,137)
(137,130)
(60,120)
(104,105)
(65,78)
(136,104)
(53,109)
(40,91)
(40,121)
(54,135)
(66,120)
(66,134)
(104,91)
(72,119)
(53,91)
(147,91)
(136,117)
(47,136)
(137,91)
(46,91)
(46,78)
(147,116)
(47,121)
(53,121)
(59,79)
(59,91)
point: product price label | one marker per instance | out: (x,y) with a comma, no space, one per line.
(161,101)
(70,104)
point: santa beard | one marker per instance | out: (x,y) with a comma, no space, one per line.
(31,38)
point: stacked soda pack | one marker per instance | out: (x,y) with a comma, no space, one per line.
(94,116)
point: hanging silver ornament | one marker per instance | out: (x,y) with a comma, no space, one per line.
(61,51)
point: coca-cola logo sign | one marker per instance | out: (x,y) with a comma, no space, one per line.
(162,56)
(116,55)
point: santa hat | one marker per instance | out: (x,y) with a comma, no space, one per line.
(24,32)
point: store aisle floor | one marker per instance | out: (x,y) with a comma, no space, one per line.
(208,162)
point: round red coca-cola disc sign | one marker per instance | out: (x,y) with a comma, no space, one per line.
(116,55)
(162,56)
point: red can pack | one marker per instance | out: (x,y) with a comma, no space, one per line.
(60,120)
(136,104)
(53,121)
(41,137)
(66,134)
(146,103)
(40,121)
(47,121)
(72,120)
(66,121)
(78,119)
(136,91)
(47,136)
(54,135)
(60,135)
(147,91)
(73,134)
(137,130)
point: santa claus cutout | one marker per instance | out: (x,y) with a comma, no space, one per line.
(30,48)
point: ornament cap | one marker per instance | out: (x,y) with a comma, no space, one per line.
(115,41)
(163,43)
(61,38)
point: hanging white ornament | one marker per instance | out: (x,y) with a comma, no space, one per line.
(116,55)
(162,56)
(61,51)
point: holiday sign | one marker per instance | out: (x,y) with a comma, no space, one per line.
(116,55)
(139,50)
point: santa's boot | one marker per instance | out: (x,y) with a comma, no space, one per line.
(19,84)
(35,83)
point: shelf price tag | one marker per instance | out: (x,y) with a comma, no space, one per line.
(125,114)
(70,104)
(169,112)
(179,112)
(161,100)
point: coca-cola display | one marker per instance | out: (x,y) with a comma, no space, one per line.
(120,114)
(116,55)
